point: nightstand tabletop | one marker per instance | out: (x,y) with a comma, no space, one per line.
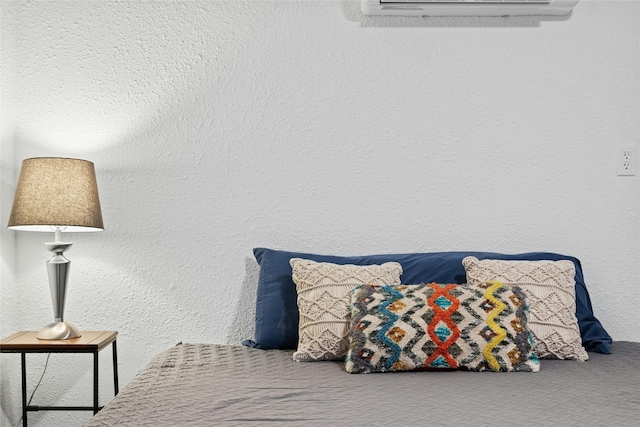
(26,341)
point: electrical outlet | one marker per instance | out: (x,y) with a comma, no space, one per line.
(626,161)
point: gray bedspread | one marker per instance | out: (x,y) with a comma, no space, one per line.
(217,385)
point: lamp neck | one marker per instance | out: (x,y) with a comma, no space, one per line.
(58,229)
(59,246)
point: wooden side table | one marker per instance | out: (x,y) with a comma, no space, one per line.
(90,342)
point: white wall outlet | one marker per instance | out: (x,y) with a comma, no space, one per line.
(627,161)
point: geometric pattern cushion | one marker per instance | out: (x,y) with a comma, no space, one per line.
(550,287)
(431,326)
(324,291)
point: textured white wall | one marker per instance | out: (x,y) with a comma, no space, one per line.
(9,383)
(218,126)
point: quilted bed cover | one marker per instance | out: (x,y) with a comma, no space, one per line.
(218,385)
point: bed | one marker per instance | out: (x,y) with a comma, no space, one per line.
(283,376)
(217,385)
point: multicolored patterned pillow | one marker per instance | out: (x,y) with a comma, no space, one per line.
(421,327)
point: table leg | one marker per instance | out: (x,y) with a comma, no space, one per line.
(115,368)
(95,383)
(23,360)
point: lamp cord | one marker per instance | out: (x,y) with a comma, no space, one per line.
(46,363)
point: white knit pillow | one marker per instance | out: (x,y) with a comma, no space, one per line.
(550,286)
(323,301)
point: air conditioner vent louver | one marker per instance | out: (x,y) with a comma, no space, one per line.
(467,7)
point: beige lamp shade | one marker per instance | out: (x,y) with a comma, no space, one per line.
(56,192)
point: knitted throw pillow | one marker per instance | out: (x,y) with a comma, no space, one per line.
(421,327)
(323,302)
(550,287)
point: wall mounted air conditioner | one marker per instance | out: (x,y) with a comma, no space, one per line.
(466,7)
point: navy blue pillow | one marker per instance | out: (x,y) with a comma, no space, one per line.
(277,308)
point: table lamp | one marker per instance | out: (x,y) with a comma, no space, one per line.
(55,195)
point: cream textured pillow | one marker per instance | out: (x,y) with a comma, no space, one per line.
(550,287)
(323,301)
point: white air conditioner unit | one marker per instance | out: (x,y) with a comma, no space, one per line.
(466,7)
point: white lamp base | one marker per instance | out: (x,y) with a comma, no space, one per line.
(59,331)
